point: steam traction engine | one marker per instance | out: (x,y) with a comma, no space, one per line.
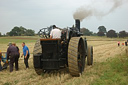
(68,52)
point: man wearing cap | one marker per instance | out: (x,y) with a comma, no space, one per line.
(55,33)
(12,54)
(26,54)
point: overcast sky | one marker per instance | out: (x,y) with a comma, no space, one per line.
(36,14)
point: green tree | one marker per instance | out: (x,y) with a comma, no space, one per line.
(85,31)
(7,34)
(123,34)
(100,34)
(94,34)
(102,29)
(111,33)
(0,34)
(21,31)
(30,32)
(15,31)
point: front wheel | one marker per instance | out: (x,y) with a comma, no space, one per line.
(89,55)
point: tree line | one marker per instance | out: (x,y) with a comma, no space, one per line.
(102,31)
(20,31)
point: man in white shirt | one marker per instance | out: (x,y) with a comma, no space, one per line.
(55,33)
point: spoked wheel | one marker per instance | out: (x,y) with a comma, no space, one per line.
(76,56)
(90,55)
(36,57)
(44,33)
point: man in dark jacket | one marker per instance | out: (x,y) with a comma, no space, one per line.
(17,59)
(12,54)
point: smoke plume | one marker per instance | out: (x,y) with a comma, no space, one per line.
(96,9)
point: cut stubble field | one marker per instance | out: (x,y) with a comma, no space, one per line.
(104,51)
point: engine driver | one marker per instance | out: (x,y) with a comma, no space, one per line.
(55,33)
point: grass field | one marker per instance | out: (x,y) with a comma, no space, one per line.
(110,65)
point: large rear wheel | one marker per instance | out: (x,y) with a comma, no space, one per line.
(36,57)
(76,56)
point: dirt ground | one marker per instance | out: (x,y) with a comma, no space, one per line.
(103,50)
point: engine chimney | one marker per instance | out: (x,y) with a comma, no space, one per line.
(77,21)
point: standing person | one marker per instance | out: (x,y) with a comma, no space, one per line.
(17,50)
(17,58)
(12,54)
(118,43)
(55,33)
(125,43)
(122,44)
(26,54)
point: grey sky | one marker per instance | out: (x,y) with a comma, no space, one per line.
(36,14)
